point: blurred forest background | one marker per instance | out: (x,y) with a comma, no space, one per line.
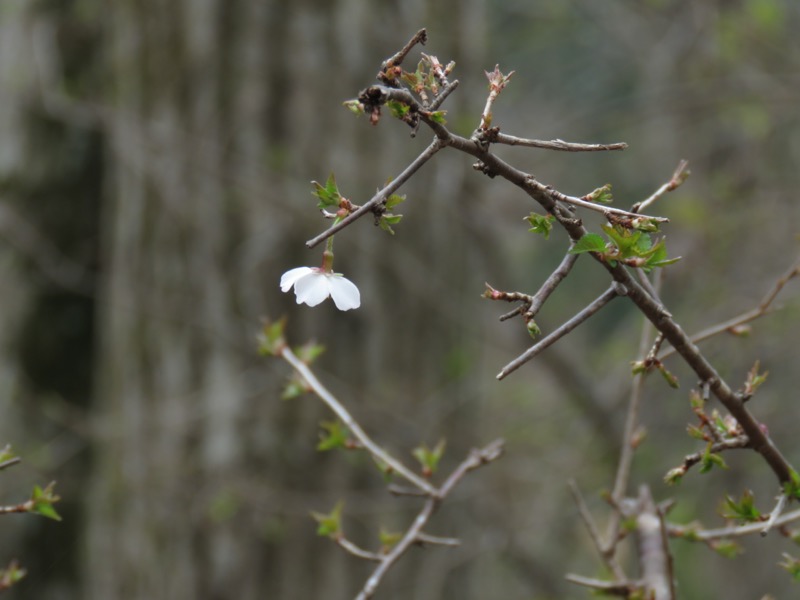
(155,159)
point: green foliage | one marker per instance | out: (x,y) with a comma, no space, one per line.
(330,524)
(354,106)
(386,222)
(309,352)
(271,340)
(792,565)
(6,454)
(429,458)
(11,575)
(754,379)
(42,501)
(726,548)
(591,242)
(398,109)
(387,219)
(388,539)
(675,476)
(710,460)
(601,195)
(631,246)
(743,511)
(438,117)
(328,195)
(541,224)
(334,435)
(296,386)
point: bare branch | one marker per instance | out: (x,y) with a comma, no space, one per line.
(560,145)
(10,462)
(563,330)
(353,549)
(346,418)
(678,177)
(421,37)
(763,308)
(608,557)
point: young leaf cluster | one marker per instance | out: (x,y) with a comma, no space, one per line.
(629,246)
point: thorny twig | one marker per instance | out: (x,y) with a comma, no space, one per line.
(731,325)
(550,339)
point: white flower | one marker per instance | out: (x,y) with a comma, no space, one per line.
(312,286)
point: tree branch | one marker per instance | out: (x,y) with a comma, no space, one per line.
(560,145)
(563,330)
(346,418)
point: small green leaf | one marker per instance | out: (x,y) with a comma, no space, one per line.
(601,195)
(438,117)
(710,459)
(296,386)
(389,539)
(591,242)
(354,106)
(696,432)
(387,220)
(541,224)
(743,511)
(792,565)
(669,377)
(398,109)
(42,501)
(309,352)
(329,525)
(271,340)
(726,548)
(533,329)
(6,454)
(329,196)
(675,476)
(334,435)
(429,458)
(394,200)
(11,575)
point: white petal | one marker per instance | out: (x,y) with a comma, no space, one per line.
(344,292)
(290,277)
(312,288)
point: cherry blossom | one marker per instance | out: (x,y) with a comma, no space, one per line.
(312,285)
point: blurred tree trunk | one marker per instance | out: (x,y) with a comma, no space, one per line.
(221,111)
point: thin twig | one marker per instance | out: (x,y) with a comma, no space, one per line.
(356,551)
(704,535)
(763,308)
(604,210)
(551,283)
(10,462)
(563,330)
(614,588)
(560,145)
(435,540)
(476,458)
(678,177)
(352,424)
(421,37)
(382,195)
(625,463)
(776,512)
(608,558)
